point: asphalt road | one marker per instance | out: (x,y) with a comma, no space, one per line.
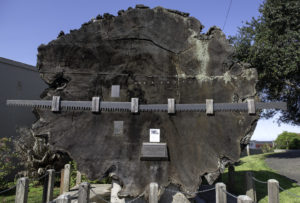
(286,163)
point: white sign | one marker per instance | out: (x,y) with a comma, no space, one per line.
(154,135)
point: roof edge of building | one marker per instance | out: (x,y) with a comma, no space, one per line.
(18,64)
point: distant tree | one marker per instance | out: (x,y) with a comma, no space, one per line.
(288,140)
(271,43)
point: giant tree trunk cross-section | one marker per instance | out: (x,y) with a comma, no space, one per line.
(153,55)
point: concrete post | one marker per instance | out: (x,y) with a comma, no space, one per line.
(66,183)
(63,199)
(84,193)
(62,173)
(273,191)
(114,193)
(248,150)
(220,193)
(153,193)
(78,178)
(231,181)
(51,177)
(250,186)
(244,199)
(45,188)
(22,190)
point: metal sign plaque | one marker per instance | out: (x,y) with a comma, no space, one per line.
(115,91)
(154,152)
(118,128)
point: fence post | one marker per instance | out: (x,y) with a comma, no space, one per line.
(248,150)
(62,173)
(84,193)
(244,199)
(63,199)
(66,183)
(45,188)
(78,178)
(22,190)
(273,191)
(114,193)
(250,186)
(51,177)
(153,193)
(221,193)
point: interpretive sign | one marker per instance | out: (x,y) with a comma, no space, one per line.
(154,135)
(154,151)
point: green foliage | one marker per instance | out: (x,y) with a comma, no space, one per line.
(73,176)
(288,140)
(8,163)
(271,43)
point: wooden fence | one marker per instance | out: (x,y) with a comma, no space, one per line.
(85,189)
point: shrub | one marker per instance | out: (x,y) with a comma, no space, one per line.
(266,148)
(8,163)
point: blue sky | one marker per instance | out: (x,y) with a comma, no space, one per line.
(25,24)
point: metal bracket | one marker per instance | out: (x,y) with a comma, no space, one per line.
(171,106)
(251,106)
(96,104)
(209,107)
(55,105)
(134,105)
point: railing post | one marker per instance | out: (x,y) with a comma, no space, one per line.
(250,186)
(45,188)
(84,193)
(153,193)
(63,199)
(66,183)
(273,191)
(78,178)
(22,190)
(221,193)
(114,193)
(51,177)
(244,199)
(62,173)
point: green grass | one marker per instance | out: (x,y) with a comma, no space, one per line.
(35,195)
(256,164)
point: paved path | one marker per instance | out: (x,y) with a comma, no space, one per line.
(286,163)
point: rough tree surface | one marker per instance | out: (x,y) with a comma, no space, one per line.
(153,54)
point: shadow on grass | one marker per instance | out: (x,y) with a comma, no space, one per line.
(239,188)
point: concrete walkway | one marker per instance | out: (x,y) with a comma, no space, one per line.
(286,163)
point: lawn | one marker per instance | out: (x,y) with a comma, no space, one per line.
(35,195)
(256,164)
